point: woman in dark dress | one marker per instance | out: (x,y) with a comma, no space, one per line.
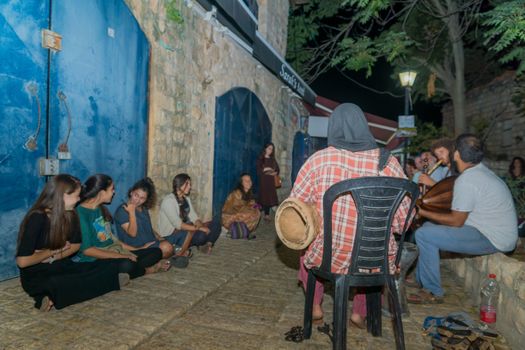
(267,169)
(49,235)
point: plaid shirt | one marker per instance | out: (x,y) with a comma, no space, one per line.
(322,170)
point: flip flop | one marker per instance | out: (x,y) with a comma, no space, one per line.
(180,261)
(424,297)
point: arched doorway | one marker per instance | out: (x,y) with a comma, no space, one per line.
(242,128)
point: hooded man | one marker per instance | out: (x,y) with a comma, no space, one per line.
(352,152)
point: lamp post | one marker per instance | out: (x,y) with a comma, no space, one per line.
(407,79)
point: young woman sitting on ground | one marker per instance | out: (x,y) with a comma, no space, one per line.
(179,223)
(240,213)
(49,235)
(133,222)
(98,242)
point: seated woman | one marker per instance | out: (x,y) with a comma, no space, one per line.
(179,223)
(133,222)
(240,213)
(49,235)
(98,241)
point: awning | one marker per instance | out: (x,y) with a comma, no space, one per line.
(382,129)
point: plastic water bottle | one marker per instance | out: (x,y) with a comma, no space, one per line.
(489,301)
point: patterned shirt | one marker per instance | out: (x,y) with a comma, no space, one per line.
(322,170)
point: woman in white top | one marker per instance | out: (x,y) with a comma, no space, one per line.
(179,221)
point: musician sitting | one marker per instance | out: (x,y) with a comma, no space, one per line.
(441,149)
(482,220)
(432,171)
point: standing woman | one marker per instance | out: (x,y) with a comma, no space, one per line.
(180,224)
(49,235)
(267,169)
(98,241)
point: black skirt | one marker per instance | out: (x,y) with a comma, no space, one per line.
(66,282)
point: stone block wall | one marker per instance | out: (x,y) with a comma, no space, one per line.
(511,278)
(191,64)
(273,23)
(489,108)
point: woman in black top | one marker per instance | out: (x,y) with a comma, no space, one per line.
(49,235)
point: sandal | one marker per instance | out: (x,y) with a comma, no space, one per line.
(451,343)
(424,297)
(180,261)
(295,334)
(412,283)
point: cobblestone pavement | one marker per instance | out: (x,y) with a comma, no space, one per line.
(243,296)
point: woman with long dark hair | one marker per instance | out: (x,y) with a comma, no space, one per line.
(517,168)
(133,222)
(49,235)
(179,222)
(98,241)
(240,212)
(267,169)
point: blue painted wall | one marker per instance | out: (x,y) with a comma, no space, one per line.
(23,65)
(102,70)
(104,77)
(242,128)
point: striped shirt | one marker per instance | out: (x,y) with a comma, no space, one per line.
(322,170)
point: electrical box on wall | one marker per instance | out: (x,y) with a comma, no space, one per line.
(48,167)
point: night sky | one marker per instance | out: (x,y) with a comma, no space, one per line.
(335,86)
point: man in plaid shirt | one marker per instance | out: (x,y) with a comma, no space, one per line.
(351,153)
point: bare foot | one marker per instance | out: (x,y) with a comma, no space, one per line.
(357,321)
(317,313)
(47,304)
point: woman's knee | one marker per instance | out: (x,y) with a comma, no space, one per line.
(166,248)
(126,266)
(199,238)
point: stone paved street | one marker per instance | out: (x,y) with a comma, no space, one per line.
(243,296)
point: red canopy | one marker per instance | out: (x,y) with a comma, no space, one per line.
(382,129)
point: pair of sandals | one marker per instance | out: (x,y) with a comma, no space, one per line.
(454,339)
(458,331)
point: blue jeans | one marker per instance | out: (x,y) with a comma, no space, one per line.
(431,238)
(199,237)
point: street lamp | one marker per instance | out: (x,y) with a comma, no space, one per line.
(407,79)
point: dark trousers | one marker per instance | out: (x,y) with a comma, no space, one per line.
(266,210)
(145,258)
(199,237)
(66,282)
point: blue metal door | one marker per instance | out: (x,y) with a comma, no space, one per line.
(100,76)
(23,76)
(242,128)
(97,92)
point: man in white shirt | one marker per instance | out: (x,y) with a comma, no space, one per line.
(482,220)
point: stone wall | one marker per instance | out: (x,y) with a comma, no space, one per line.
(511,278)
(489,109)
(273,23)
(191,64)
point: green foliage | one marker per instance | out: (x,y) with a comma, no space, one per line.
(506,31)
(173,13)
(426,134)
